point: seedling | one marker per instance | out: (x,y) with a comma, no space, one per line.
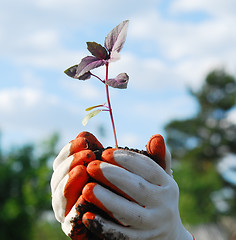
(114,42)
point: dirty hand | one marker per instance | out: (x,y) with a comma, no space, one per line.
(144,196)
(145,218)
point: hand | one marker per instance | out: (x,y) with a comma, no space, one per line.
(143,200)
(75,212)
(69,178)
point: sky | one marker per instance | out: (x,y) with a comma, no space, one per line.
(171,45)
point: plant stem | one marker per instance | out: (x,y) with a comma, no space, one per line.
(97,77)
(110,109)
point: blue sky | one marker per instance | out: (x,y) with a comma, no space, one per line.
(170,45)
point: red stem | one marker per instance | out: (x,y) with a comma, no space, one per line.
(110,109)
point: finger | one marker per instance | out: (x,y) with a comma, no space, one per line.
(125,183)
(59,200)
(138,164)
(112,231)
(124,211)
(73,225)
(84,140)
(78,177)
(74,146)
(80,158)
(68,191)
(67,225)
(158,151)
(95,171)
(94,144)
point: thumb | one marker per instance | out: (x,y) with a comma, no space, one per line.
(158,151)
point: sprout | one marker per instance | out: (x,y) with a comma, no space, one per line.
(101,56)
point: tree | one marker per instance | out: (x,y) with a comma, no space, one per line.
(24,188)
(200,142)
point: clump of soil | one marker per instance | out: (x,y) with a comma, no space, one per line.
(99,152)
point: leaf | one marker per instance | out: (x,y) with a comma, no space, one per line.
(71,71)
(85,76)
(91,108)
(120,81)
(97,50)
(90,115)
(115,39)
(88,63)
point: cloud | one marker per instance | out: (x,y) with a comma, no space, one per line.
(188,49)
(215,8)
(29,113)
(166,50)
(88,91)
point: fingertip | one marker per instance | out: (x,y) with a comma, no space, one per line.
(90,196)
(94,144)
(88,218)
(94,170)
(108,156)
(93,224)
(157,150)
(78,144)
(87,191)
(83,157)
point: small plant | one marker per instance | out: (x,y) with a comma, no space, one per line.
(114,42)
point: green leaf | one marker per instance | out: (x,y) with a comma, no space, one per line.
(71,71)
(97,50)
(90,115)
(96,106)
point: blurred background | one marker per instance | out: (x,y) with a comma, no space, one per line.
(180,57)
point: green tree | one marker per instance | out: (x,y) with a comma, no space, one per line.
(24,188)
(200,142)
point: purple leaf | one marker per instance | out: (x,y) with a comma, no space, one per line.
(87,64)
(97,50)
(115,39)
(119,81)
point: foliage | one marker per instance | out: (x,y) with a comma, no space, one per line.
(48,230)
(113,44)
(24,188)
(200,142)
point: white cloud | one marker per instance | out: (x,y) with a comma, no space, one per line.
(12,99)
(27,113)
(188,50)
(41,40)
(213,7)
(149,73)
(84,90)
